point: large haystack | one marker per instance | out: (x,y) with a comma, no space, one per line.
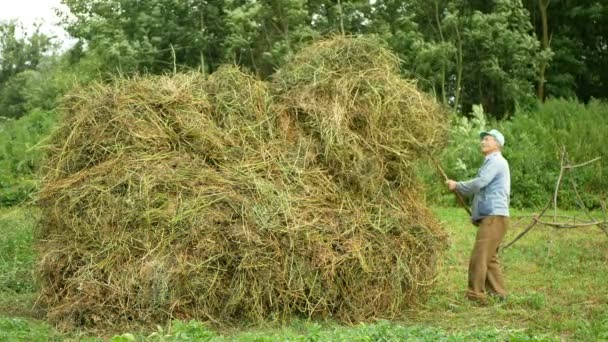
(368,123)
(228,199)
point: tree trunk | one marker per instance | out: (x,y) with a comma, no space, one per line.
(202,53)
(341,17)
(542,6)
(459,67)
(443,71)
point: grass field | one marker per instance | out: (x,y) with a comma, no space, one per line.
(558,281)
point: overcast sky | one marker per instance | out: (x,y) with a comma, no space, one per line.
(30,11)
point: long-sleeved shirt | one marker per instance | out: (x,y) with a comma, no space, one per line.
(491,187)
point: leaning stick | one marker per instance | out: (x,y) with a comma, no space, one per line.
(530,226)
(458,196)
(558,183)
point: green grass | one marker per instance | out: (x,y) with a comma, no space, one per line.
(16,257)
(558,284)
(556,278)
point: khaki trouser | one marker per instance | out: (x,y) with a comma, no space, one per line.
(485,276)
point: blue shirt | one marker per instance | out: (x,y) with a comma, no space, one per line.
(491,187)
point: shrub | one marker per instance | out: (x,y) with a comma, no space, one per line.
(20,154)
(533,144)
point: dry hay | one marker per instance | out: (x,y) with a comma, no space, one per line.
(368,123)
(228,199)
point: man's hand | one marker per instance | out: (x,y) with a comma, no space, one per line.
(451,184)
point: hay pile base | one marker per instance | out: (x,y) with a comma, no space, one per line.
(229,199)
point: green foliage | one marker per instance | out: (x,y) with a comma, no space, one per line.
(27,115)
(35,80)
(184,331)
(20,52)
(20,154)
(159,35)
(261,35)
(19,55)
(36,89)
(16,257)
(310,331)
(465,53)
(578,31)
(534,140)
(19,329)
(537,139)
(148,35)
(507,56)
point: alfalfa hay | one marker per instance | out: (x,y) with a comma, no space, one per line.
(229,199)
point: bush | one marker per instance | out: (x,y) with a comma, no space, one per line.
(537,139)
(17,258)
(27,115)
(533,144)
(20,155)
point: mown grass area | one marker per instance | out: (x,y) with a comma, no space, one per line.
(557,279)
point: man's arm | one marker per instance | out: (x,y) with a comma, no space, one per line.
(486,174)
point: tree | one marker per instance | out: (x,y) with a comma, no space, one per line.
(466,52)
(341,17)
(543,6)
(20,55)
(261,34)
(149,35)
(502,59)
(577,33)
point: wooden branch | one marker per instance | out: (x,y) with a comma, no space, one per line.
(558,183)
(567,225)
(581,204)
(530,226)
(580,201)
(565,217)
(570,167)
(584,223)
(603,204)
(456,193)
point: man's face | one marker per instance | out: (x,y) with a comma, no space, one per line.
(489,145)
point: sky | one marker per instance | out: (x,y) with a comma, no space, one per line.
(30,11)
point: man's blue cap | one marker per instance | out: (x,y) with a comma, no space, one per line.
(496,134)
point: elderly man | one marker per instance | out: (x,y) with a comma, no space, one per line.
(490,211)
